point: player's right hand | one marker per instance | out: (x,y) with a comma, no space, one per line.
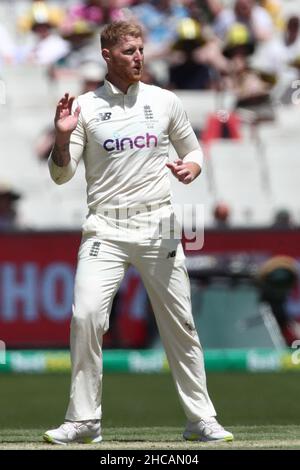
(65,122)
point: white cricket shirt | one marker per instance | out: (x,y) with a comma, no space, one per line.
(124,142)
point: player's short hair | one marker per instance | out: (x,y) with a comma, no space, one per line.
(113,32)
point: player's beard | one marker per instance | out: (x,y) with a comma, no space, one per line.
(129,73)
(137,73)
(134,74)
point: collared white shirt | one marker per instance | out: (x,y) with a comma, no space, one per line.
(124,140)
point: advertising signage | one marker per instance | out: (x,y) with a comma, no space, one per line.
(36,284)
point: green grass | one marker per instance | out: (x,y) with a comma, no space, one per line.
(34,401)
(143,412)
(167,438)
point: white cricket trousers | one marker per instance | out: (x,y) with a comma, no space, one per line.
(101,267)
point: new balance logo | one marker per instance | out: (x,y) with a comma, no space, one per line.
(148,112)
(104,116)
(171,254)
(95,249)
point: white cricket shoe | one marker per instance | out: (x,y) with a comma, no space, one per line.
(206,430)
(85,432)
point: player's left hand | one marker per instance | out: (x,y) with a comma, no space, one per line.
(184,172)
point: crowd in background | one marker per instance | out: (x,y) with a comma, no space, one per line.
(249,47)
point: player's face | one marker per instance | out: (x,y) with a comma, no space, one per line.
(125,60)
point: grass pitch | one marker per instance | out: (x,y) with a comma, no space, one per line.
(143,412)
(161,438)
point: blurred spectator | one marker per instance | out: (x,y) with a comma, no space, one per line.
(251,85)
(291,34)
(196,10)
(188,73)
(221,216)
(238,41)
(44,46)
(84,45)
(196,58)
(276,279)
(8,211)
(274,8)
(49,46)
(160,20)
(283,55)
(247,12)
(98,12)
(283,219)
(292,41)
(38,12)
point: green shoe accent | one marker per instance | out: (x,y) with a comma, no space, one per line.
(48,439)
(192,437)
(196,437)
(86,440)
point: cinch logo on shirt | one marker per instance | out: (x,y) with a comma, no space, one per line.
(140,142)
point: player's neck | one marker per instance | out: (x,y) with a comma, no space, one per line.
(118,82)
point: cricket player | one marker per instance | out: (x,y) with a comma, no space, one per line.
(122,131)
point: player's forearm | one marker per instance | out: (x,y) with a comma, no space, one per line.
(61,165)
(60,153)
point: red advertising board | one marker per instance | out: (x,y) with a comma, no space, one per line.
(37,273)
(36,279)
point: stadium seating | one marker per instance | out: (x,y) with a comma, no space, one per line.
(197,193)
(284,173)
(240,181)
(199,104)
(234,318)
(245,174)
(254,176)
